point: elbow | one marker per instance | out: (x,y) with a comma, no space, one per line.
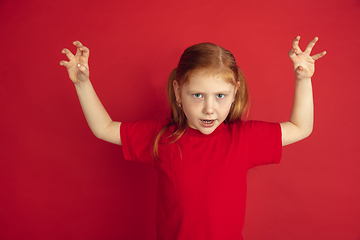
(110,133)
(292,133)
(98,134)
(307,132)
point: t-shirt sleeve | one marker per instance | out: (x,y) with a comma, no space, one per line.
(264,143)
(137,140)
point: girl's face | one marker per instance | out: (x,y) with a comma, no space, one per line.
(206,100)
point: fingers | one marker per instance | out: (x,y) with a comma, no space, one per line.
(64,63)
(81,50)
(67,53)
(78,45)
(311,45)
(292,52)
(85,51)
(69,56)
(84,69)
(296,49)
(296,43)
(319,55)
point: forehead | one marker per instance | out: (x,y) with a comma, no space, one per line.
(203,81)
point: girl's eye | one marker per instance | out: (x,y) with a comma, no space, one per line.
(220,96)
(197,95)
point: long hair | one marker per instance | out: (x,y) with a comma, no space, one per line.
(215,60)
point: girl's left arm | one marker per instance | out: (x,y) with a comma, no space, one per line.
(301,120)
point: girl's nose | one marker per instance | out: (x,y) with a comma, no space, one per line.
(208,107)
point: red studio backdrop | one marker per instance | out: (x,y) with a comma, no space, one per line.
(57,181)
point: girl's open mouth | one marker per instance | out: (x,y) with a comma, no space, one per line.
(207,123)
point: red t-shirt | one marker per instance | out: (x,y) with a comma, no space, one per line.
(202,178)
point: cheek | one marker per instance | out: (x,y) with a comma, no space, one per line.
(224,106)
(225,102)
(189,106)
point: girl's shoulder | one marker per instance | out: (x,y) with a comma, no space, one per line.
(253,125)
(147,126)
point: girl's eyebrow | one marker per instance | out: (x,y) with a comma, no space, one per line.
(217,92)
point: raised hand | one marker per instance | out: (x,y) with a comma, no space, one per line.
(304,64)
(77,66)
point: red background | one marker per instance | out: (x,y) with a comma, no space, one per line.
(57,181)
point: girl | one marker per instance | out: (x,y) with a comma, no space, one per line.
(202,153)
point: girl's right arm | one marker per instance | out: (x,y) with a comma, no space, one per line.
(96,116)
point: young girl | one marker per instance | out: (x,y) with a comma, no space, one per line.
(202,153)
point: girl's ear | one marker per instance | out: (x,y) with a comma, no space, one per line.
(177,91)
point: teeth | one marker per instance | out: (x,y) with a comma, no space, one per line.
(207,121)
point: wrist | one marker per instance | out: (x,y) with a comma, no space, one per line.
(81,84)
(303,79)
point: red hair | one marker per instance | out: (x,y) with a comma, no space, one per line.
(215,60)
